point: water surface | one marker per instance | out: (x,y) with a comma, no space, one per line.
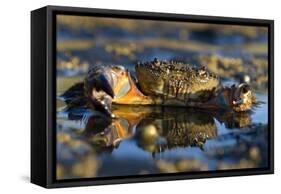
(152,140)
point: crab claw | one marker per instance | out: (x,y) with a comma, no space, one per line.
(99,87)
(103,82)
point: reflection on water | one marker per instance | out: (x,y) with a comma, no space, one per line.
(152,140)
(145,139)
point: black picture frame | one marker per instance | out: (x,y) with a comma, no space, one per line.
(43,100)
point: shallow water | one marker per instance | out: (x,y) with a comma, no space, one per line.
(161,135)
(146,139)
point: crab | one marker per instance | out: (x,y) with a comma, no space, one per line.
(160,83)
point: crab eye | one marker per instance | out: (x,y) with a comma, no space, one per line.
(203,74)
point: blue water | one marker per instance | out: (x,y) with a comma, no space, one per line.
(212,139)
(132,155)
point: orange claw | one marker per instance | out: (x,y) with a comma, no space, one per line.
(133,96)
